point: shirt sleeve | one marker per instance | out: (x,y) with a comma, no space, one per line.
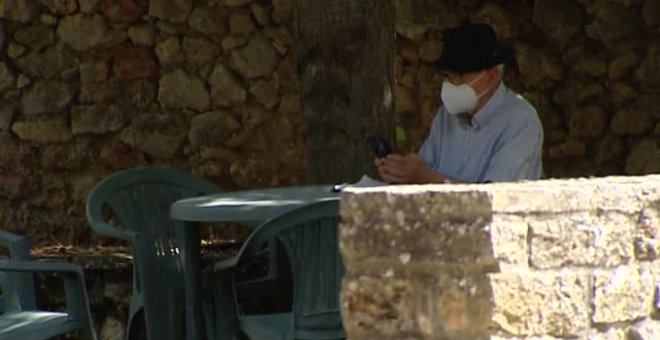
(430,148)
(519,156)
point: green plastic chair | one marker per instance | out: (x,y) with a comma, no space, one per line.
(309,236)
(140,199)
(20,319)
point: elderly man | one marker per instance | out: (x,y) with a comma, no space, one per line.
(483,132)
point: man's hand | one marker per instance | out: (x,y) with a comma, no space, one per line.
(410,169)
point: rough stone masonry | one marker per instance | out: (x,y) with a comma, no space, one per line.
(560,259)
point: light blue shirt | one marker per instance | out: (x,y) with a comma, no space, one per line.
(502,143)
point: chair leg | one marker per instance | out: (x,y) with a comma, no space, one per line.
(226,317)
(136,329)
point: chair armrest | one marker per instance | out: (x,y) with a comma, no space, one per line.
(225,264)
(74,285)
(106,229)
(34,266)
(94,213)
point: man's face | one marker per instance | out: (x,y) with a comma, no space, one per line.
(477,80)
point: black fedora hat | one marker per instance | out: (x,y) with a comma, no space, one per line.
(472,47)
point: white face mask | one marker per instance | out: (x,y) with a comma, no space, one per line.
(460,98)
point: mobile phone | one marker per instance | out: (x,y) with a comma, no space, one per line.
(380,146)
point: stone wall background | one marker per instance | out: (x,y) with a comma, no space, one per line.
(88,87)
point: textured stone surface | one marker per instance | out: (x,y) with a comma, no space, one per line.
(581,239)
(160,136)
(560,20)
(142,35)
(213,128)
(7,112)
(96,119)
(199,52)
(611,334)
(23,81)
(265,92)
(430,50)
(539,67)
(36,37)
(23,11)
(649,71)
(625,293)
(121,10)
(644,158)
(134,63)
(282,10)
(621,93)
(260,14)
(509,235)
(99,93)
(169,51)
(233,41)
(453,231)
(646,330)
(178,90)
(83,32)
(651,12)
(141,93)
(610,149)
(622,65)
(580,195)
(234,3)
(62,7)
(53,130)
(569,94)
(405,102)
(587,122)
(49,64)
(93,71)
(171,10)
(258,58)
(241,23)
(46,97)
(569,149)
(279,35)
(612,22)
(15,51)
(529,304)
(647,238)
(631,121)
(225,87)
(201,20)
(89,6)
(7,77)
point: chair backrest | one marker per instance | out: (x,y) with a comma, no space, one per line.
(140,200)
(17,289)
(310,237)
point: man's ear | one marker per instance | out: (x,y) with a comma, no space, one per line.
(494,76)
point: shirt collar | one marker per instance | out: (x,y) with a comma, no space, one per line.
(486,113)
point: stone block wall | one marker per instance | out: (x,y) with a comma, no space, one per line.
(590,67)
(556,259)
(89,87)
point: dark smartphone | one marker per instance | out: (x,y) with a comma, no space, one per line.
(379,146)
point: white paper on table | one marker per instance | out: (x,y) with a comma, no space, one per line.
(366,182)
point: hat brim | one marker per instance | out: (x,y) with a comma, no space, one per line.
(472,63)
